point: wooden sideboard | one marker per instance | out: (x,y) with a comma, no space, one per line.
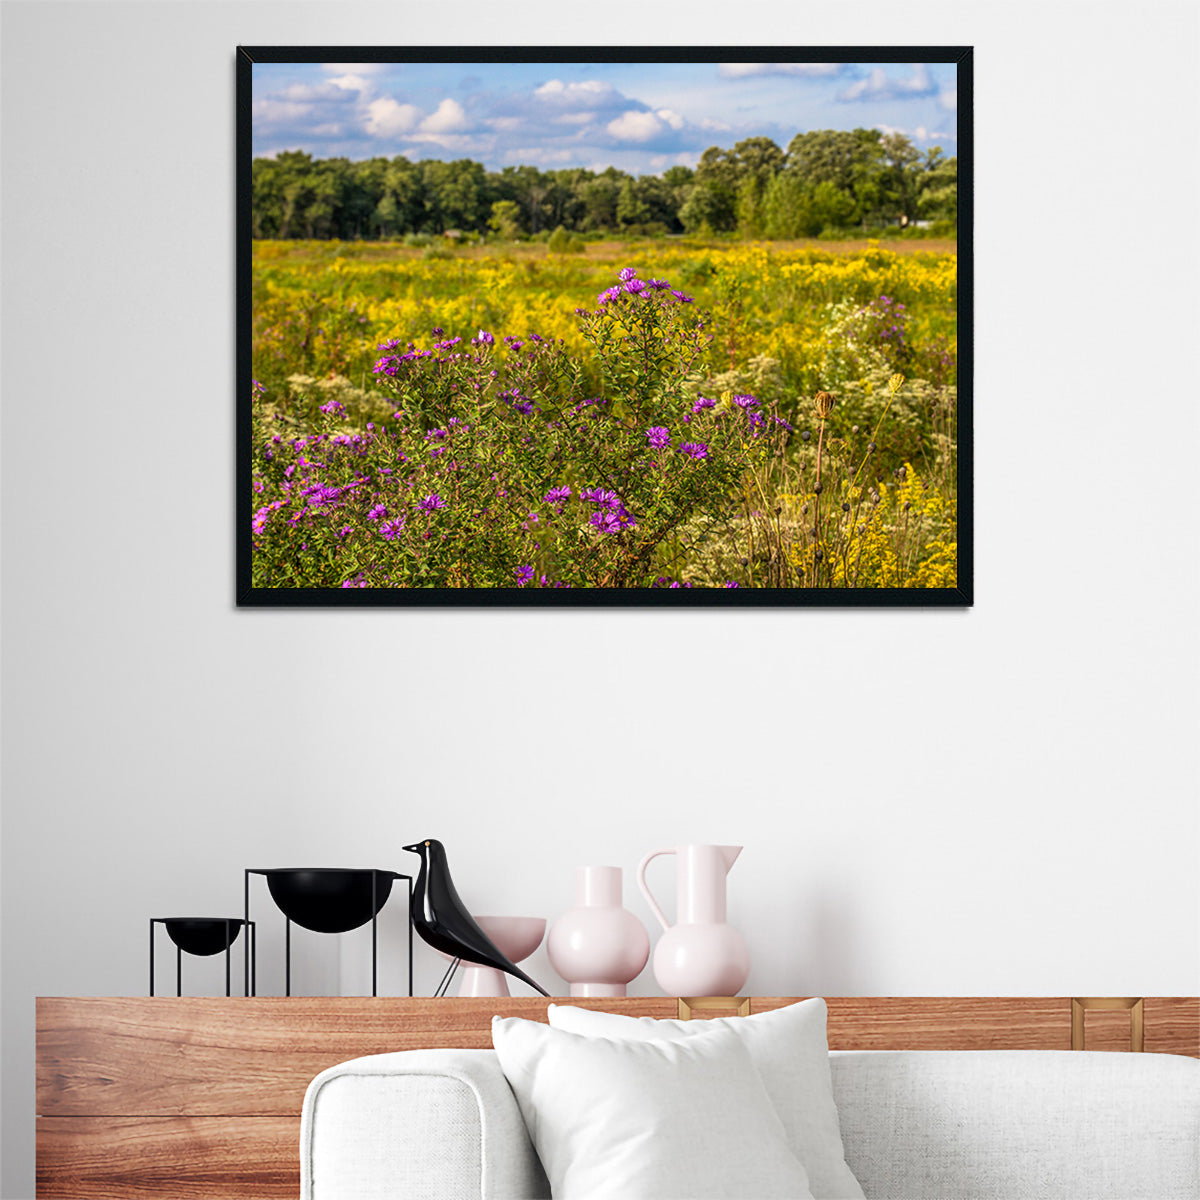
(183,1098)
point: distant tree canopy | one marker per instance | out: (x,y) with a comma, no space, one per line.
(826,179)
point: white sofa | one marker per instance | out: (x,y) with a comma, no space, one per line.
(915,1125)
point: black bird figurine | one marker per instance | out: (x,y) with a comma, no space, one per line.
(442,920)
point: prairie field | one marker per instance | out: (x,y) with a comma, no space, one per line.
(659,413)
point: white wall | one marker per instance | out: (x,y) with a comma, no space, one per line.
(999,801)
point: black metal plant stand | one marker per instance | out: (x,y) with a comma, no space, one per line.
(202,937)
(327,900)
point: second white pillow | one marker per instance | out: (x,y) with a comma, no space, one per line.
(629,1120)
(788,1046)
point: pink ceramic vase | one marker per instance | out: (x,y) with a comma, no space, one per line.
(598,946)
(701,954)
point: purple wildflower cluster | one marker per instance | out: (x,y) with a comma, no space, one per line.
(611,515)
(449,488)
(631,285)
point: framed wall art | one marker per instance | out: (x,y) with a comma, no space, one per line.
(604,326)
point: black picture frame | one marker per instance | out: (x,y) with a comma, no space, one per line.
(961,595)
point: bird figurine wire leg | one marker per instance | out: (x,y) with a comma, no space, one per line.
(442,920)
(443,987)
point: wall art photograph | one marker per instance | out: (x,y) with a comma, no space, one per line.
(657,328)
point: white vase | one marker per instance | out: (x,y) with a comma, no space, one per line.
(598,946)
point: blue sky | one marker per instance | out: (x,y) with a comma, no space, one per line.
(640,117)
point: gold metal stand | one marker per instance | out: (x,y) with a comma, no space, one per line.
(691,1004)
(1137,1018)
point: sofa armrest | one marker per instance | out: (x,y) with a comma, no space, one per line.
(418,1124)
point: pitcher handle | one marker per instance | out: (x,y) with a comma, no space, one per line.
(641,878)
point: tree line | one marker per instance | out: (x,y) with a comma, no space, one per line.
(826,179)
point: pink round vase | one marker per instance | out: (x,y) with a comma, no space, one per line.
(598,946)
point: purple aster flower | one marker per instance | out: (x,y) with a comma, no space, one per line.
(558,496)
(634,286)
(609,521)
(608,294)
(626,274)
(357,581)
(703,402)
(332,407)
(658,437)
(377,513)
(524,575)
(392,529)
(745,401)
(658,285)
(601,496)
(431,503)
(681,297)
(731,583)
(483,338)
(696,450)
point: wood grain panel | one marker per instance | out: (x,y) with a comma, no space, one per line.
(942,1022)
(195,1056)
(1173,1025)
(207,1158)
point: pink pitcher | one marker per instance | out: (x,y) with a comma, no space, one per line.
(702,954)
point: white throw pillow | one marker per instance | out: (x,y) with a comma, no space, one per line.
(790,1050)
(659,1120)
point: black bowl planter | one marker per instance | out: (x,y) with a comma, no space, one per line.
(201,937)
(327,900)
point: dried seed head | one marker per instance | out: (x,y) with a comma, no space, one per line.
(824,403)
(820,554)
(816,489)
(845,507)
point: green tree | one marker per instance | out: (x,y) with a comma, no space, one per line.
(713,201)
(937,187)
(600,196)
(631,209)
(505,221)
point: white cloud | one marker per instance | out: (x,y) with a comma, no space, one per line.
(377,68)
(877,86)
(386,118)
(949,100)
(588,91)
(715,126)
(808,70)
(351,83)
(672,118)
(635,127)
(448,117)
